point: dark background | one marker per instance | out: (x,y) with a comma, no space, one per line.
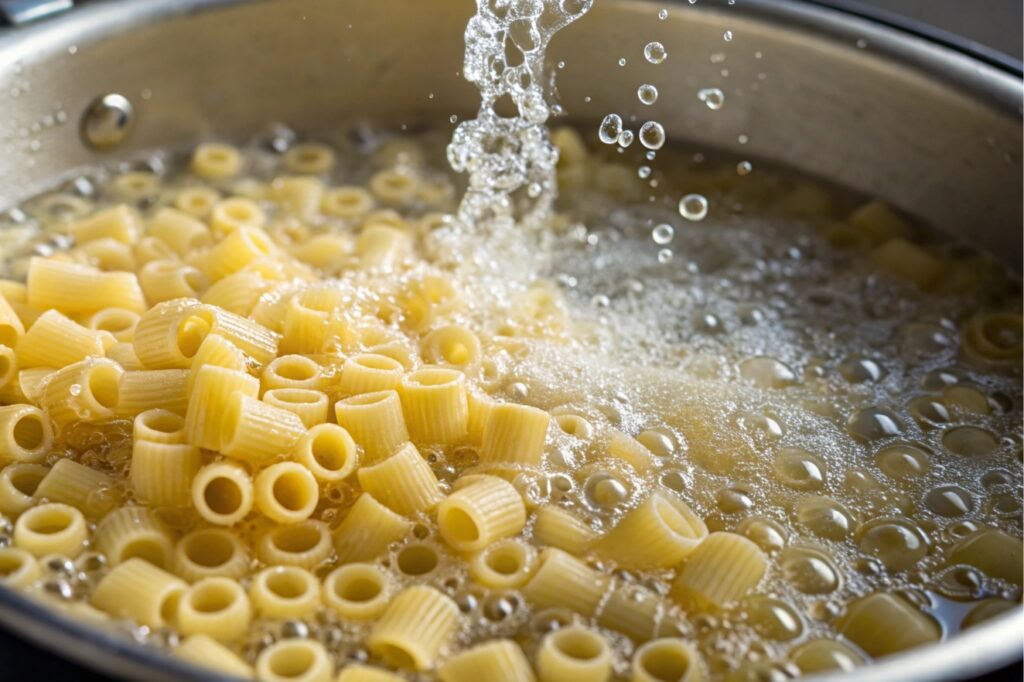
(994,23)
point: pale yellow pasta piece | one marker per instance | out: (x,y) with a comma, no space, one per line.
(108,254)
(210,552)
(256,341)
(161,473)
(118,322)
(994,337)
(196,201)
(879,222)
(284,592)
(414,628)
(667,659)
(79,486)
(150,389)
(256,431)
(369,373)
(51,528)
(355,672)
(629,450)
(310,158)
(375,421)
(357,591)
(135,185)
(993,552)
(117,222)
(506,564)
(561,528)
(347,202)
(167,336)
(367,530)
(324,251)
(292,371)
(478,409)
(328,452)
(634,611)
(87,391)
(294,660)
(382,246)
(222,493)
(905,260)
(10,390)
(305,329)
(308,405)
(232,214)
(500,660)
(298,195)
(434,405)
(482,510)
(213,393)
(306,544)
(215,161)
(11,327)
(394,186)
(286,492)
(179,230)
(216,607)
(134,532)
(207,652)
(659,533)
(882,624)
(723,568)
(238,292)
(149,249)
(159,426)
(72,288)
(138,590)
(574,653)
(404,482)
(219,352)
(32,382)
(165,280)
(18,483)
(564,581)
(18,568)
(25,433)
(514,434)
(238,249)
(452,345)
(123,353)
(53,340)
(13,292)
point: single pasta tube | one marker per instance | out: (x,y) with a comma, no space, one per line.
(561,528)
(158,425)
(667,659)
(574,653)
(18,484)
(51,528)
(404,482)
(500,660)
(369,373)
(256,431)
(562,580)
(328,451)
(11,326)
(149,389)
(480,512)
(290,660)
(219,352)
(292,371)
(306,544)
(25,433)
(213,393)
(86,489)
(216,607)
(722,569)
(18,568)
(87,391)
(514,434)
(215,161)
(286,492)
(452,345)
(367,530)
(414,628)
(284,592)
(207,652)
(375,422)
(355,672)
(117,222)
(165,280)
(504,565)
(308,405)
(434,405)
(72,288)
(118,321)
(232,214)
(222,493)
(138,590)
(238,292)
(131,532)
(53,340)
(179,230)
(357,591)
(161,474)
(883,624)
(659,533)
(210,552)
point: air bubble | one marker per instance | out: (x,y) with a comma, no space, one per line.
(647,93)
(652,135)
(693,207)
(662,234)
(611,128)
(665,256)
(654,52)
(625,138)
(744,168)
(714,98)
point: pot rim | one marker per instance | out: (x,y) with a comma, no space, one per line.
(982,72)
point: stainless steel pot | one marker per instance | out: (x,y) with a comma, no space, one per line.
(923,124)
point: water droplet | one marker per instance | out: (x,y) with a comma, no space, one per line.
(654,52)
(625,138)
(714,98)
(622,61)
(611,128)
(647,93)
(644,172)
(652,135)
(693,207)
(727,36)
(663,14)
(665,256)
(662,234)
(872,423)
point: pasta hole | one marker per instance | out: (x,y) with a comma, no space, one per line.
(396,656)
(671,517)
(191,333)
(580,645)
(296,369)
(296,539)
(8,336)
(11,563)
(26,481)
(194,279)
(169,605)
(209,550)
(461,525)
(104,385)
(665,662)
(290,490)
(434,377)
(291,661)
(211,598)
(360,589)
(29,432)
(297,396)
(329,451)
(417,560)
(380,362)
(49,521)
(287,585)
(223,496)
(505,561)
(145,548)
(456,353)
(163,422)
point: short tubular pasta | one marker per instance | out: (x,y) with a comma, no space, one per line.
(179,230)
(117,222)
(478,409)
(452,345)
(357,591)
(375,422)
(292,371)
(87,391)
(215,390)
(164,280)
(210,552)
(237,293)
(369,373)
(367,530)
(561,528)
(306,544)
(74,484)
(18,484)
(308,405)
(53,340)
(139,590)
(218,352)
(382,246)
(328,452)
(574,653)
(562,580)
(882,624)
(51,528)
(216,607)
(108,254)
(18,568)
(500,660)
(294,660)
(150,389)
(629,450)
(286,492)
(257,431)
(72,288)
(134,532)
(723,568)
(149,249)
(196,201)
(297,195)
(238,249)
(507,564)
(354,672)
(434,405)
(120,323)
(634,611)
(11,326)
(414,628)
(404,482)
(485,509)
(667,659)
(284,592)
(8,375)
(232,214)
(161,473)
(347,202)
(659,533)
(25,433)
(216,161)
(514,434)
(222,493)
(309,158)
(208,652)
(166,337)
(159,426)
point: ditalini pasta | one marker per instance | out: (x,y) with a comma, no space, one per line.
(297,430)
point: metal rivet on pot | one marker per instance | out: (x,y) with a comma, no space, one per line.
(107,122)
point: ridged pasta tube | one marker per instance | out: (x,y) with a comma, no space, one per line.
(500,660)
(161,473)
(138,590)
(375,422)
(667,659)
(328,451)
(723,568)
(134,532)
(87,391)
(256,431)
(210,552)
(574,653)
(51,528)
(159,426)
(53,340)
(18,568)
(222,493)
(73,288)
(213,393)
(18,484)
(504,565)
(882,624)
(286,492)
(369,373)
(434,405)
(514,434)
(25,433)
(179,230)
(414,628)
(404,482)
(308,405)
(367,530)
(290,660)
(306,544)
(562,580)
(659,533)
(357,591)
(284,592)
(207,652)
(150,389)
(480,512)
(216,607)
(561,528)
(82,487)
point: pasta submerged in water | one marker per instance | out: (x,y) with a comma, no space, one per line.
(293,423)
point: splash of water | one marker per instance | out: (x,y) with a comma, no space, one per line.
(510,161)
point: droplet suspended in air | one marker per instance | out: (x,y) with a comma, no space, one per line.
(622,61)
(693,207)
(625,138)
(663,14)
(662,234)
(744,168)
(727,36)
(665,256)
(654,52)
(712,97)
(611,128)
(644,172)
(647,93)
(652,135)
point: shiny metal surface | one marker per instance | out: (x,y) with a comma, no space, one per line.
(922,125)
(107,122)
(23,11)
